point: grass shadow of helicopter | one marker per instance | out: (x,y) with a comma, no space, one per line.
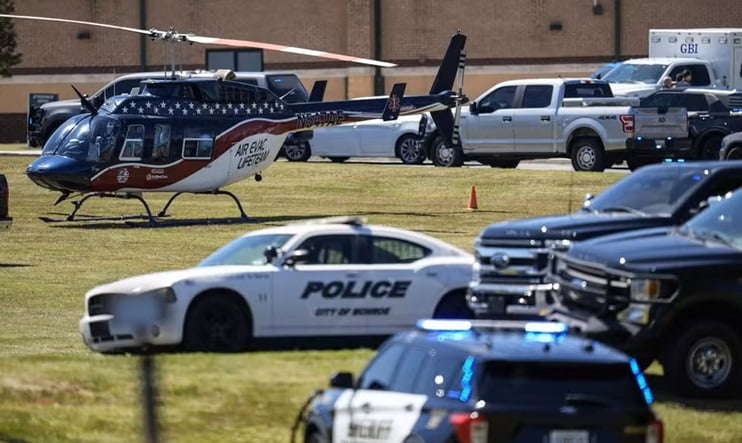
(98,222)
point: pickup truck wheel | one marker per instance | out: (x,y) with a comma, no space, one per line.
(705,360)
(587,155)
(710,148)
(216,323)
(444,155)
(299,152)
(505,164)
(409,150)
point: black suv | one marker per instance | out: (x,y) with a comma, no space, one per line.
(674,294)
(509,275)
(485,381)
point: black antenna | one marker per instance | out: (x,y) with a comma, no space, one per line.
(85,102)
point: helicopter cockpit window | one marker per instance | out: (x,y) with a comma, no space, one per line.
(134,143)
(197,144)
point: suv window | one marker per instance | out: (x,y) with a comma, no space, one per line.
(556,384)
(537,96)
(409,369)
(378,374)
(440,377)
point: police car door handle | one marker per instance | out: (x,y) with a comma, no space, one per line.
(507,118)
(352,275)
(431,274)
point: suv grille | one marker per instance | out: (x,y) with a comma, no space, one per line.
(512,261)
(591,288)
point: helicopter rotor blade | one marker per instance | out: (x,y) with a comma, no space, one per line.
(172,35)
(284,48)
(79,22)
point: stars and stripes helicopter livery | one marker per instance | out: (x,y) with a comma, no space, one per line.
(197,135)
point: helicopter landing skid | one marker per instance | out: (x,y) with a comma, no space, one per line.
(151,221)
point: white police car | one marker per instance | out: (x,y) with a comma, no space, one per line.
(323,279)
(486,381)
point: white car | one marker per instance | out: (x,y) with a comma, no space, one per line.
(322,279)
(371,138)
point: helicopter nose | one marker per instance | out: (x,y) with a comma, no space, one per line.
(60,173)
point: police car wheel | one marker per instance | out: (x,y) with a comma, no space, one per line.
(453,306)
(216,323)
(705,361)
(734,153)
(711,147)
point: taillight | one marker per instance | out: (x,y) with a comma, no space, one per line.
(627,122)
(655,432)
(469,427)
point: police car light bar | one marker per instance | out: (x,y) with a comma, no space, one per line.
(543,327)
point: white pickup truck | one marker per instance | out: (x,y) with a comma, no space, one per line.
(640,77)
(541,118)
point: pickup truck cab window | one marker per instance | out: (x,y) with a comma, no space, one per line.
(537,96)
(500,98)
(699,74)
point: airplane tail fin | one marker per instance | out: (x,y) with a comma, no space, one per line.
(318,91)
(393,104)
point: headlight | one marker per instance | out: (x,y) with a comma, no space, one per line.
(144,307)
(476,267)
(645,289)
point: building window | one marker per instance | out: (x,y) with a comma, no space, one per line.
(235,59)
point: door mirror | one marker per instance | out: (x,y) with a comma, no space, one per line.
(473,110)
(487,109)
(342,380)
(297,257)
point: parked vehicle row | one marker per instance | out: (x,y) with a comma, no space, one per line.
(650,265)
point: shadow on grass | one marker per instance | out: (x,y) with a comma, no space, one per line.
(663,392)
(123,223)
(14,265)
(8,439)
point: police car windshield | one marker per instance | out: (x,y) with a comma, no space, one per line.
(649,191)
(721,223)
(553,385)
(635,73)
(249,250)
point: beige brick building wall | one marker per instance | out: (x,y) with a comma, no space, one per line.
(507,38)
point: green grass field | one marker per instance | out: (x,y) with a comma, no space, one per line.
(53,389)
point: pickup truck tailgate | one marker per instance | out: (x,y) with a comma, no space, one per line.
(660,123)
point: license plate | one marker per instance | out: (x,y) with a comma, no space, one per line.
(570,436)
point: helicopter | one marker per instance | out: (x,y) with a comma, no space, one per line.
(199,134)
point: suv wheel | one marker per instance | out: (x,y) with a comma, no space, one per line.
(587,155)
(444,155)
(299,152)
(711,147)
(705,360)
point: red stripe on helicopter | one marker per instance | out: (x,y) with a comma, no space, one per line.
(153,177)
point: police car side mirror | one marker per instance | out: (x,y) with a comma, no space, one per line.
(297,257)
(342,380)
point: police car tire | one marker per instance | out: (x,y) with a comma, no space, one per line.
(710,147)
(216,323)
(453,305)
(679,360)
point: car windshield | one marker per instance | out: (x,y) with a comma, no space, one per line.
(248,250)
(560,384)
(721,222)
(649,191)
(635,73)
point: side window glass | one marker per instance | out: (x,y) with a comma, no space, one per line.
(161,144)
(537,96)
(134,143)
(378,374)
(197,144)
(392,250)
(329,249)
(499,98)
(700,75)
(406,377)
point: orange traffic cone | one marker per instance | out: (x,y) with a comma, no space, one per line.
(472,205)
